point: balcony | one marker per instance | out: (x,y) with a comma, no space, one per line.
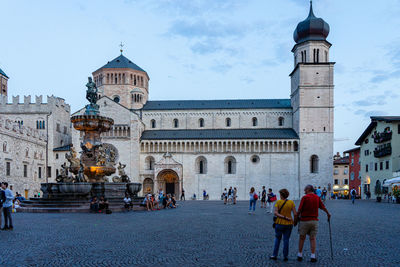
(383,151)
(382,137)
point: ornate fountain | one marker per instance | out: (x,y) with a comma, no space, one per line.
(97,158)
(86,176)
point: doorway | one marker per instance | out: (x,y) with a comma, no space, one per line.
(170,188)
(168,181)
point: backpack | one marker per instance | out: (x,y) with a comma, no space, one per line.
(255,196)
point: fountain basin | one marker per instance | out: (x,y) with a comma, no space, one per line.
(86,123)
(134,188)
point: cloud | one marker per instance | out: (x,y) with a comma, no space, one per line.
(370,113)
(202,29)
(377,100)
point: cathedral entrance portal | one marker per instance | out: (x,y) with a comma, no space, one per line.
(169,182)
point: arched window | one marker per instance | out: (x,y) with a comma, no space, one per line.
(255,121)
(153,123)
(116,99)
(314,164)
(176,123)
(201,123)
(4,146)
(201,165)
(134,79)
(228,122)
(230,165)
(281,121)
(131,79)
(149,163)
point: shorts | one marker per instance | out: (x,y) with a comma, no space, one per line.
(308,228)
(263,199)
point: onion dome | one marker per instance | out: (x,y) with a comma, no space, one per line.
(311,29)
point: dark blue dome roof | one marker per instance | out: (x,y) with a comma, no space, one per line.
(311,29)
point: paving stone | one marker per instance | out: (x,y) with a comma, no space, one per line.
(198,233)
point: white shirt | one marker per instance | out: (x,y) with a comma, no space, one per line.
(127,200)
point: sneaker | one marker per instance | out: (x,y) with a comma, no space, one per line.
(285,259)
(273,258)
(4,228)
(313,260)
(10,228)
(299,258)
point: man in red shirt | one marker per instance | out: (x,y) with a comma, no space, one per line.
(308,224)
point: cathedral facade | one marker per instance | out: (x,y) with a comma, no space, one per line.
(196,145)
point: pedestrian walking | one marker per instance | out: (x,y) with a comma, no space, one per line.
(308,224)
(353,194)
(318,191)
(7,207)
(2,200)
(271,198)
(324,193)
(183,195)
(253,200)
(283,223)
(263,198)
(225,196)
(230,195)
(234,195)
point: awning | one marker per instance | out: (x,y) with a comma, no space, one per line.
(392,181)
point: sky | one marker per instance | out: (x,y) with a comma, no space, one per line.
(205,49)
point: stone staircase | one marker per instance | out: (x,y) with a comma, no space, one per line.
(43,205)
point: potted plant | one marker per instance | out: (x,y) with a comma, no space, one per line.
(378,191)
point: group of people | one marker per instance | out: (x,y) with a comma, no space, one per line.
(99,205)
(286,216)
(6,205)
(166,201)
(229,196)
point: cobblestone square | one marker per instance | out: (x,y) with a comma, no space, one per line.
(198,233)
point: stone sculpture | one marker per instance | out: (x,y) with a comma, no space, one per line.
(123,178)
(74,162)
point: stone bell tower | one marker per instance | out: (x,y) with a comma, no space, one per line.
(124,82)
(312,100)
(3,83)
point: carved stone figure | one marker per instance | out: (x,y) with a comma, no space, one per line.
(81,177)
(74,162)
(63,176)
(101,156)
(121,170)
(123,178)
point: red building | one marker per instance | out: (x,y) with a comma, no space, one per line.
(355,178)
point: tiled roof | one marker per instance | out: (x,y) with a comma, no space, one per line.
(385,118)
(344,160)
(217,104)
(3,73)
(121,62)
(63,148)
(219,134)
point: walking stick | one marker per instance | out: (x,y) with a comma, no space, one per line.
(330,237)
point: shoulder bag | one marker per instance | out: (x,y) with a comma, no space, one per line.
(279,211)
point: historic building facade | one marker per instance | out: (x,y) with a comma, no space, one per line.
(354,169)
(340,175)
(199,145)
(22,157)
(44,130)
(379,152)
